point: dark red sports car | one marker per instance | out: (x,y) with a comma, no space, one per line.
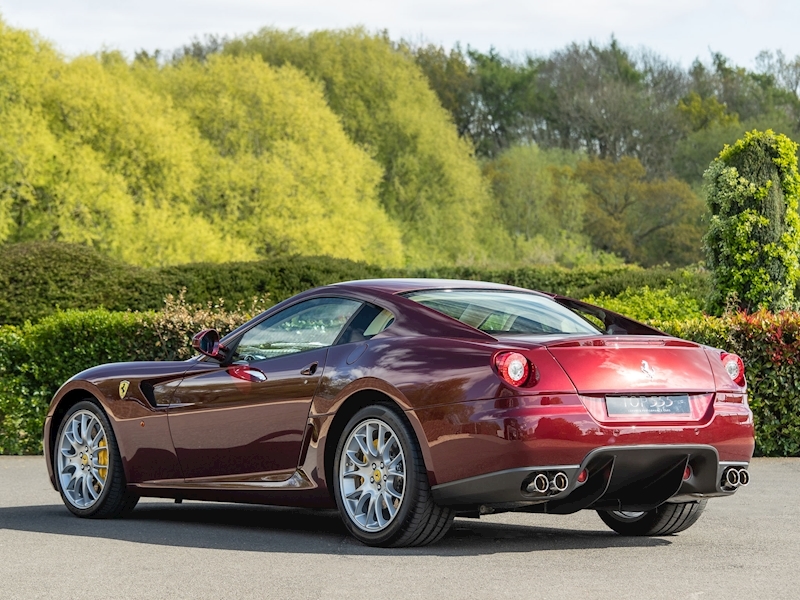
(407,402)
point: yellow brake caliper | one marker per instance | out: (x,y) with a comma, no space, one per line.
(102,458)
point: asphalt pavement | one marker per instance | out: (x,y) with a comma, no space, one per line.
(747,546)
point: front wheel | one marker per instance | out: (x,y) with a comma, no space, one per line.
(381,484)
(88,466)
(664,520)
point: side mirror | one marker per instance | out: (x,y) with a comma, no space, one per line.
(207,342)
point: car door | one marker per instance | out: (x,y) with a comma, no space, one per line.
(249,417)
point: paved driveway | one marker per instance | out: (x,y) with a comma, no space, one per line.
(747,546)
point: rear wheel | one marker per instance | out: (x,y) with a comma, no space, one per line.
(88,466)
(381,484)
(664,520)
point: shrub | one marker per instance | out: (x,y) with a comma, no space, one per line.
(754,234)
(36,359)
(769,344)
(647,304)
(694,282)
(37,279)
(557,280)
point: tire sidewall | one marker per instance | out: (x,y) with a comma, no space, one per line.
(111,442)
(651,522)
(412,482)
(636,526)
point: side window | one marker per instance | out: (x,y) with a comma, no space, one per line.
(311,324)
(369,322)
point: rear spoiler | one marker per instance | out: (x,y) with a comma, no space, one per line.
(615,323)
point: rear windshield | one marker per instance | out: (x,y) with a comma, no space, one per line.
(501,312)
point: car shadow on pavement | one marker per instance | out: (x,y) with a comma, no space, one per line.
(292,530)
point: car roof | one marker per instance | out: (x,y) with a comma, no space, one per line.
(401,285)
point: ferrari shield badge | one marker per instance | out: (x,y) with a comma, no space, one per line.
(123,388)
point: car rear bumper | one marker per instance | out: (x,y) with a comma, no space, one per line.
(506,435)
(618,478)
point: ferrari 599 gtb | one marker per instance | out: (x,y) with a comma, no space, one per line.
(406,402)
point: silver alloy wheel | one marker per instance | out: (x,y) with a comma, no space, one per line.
(628,515)
(372,475)
(83,459)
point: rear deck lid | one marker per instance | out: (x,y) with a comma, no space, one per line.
(634,365)
(638,378)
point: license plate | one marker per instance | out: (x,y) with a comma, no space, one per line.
(647,405)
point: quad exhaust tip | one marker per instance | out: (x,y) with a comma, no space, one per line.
(560,481)
(540,484)
(744,477)
(733,478)
(548,483)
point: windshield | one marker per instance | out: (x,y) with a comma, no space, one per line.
(501,312)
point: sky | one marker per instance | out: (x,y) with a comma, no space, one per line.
(680,30)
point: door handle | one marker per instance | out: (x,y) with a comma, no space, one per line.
(310,369)
(246,373)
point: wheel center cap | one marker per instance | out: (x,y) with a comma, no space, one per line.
(84,459)
(377,475)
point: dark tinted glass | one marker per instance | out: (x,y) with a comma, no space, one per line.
(501,312)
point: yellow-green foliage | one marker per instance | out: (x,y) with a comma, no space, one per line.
(542,205)
(431,183)
(283,173)
(646,304)
(753,239)
(225,161)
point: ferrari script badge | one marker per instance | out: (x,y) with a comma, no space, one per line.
(123,388)
(647,369)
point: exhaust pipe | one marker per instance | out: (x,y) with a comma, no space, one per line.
(560,481)
(731,478)
(744,477)
(540,484)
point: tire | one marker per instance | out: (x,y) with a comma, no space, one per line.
(400,480)
(86,451)
(664,520)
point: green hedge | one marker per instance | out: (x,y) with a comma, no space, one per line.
(37,279)
(36,359)
(769,344)
(694,283)
(646,304)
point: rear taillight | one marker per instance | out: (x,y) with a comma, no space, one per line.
(734,367)
(513,367)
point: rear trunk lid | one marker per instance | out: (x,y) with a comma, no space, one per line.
(638,378)
(634,364)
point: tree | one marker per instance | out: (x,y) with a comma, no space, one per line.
(748,94)
(541,204)
(506,102)
(753,239)
(227,159)
(785,72)
(451,76)
(282,173)
(431,186)
(647,221)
